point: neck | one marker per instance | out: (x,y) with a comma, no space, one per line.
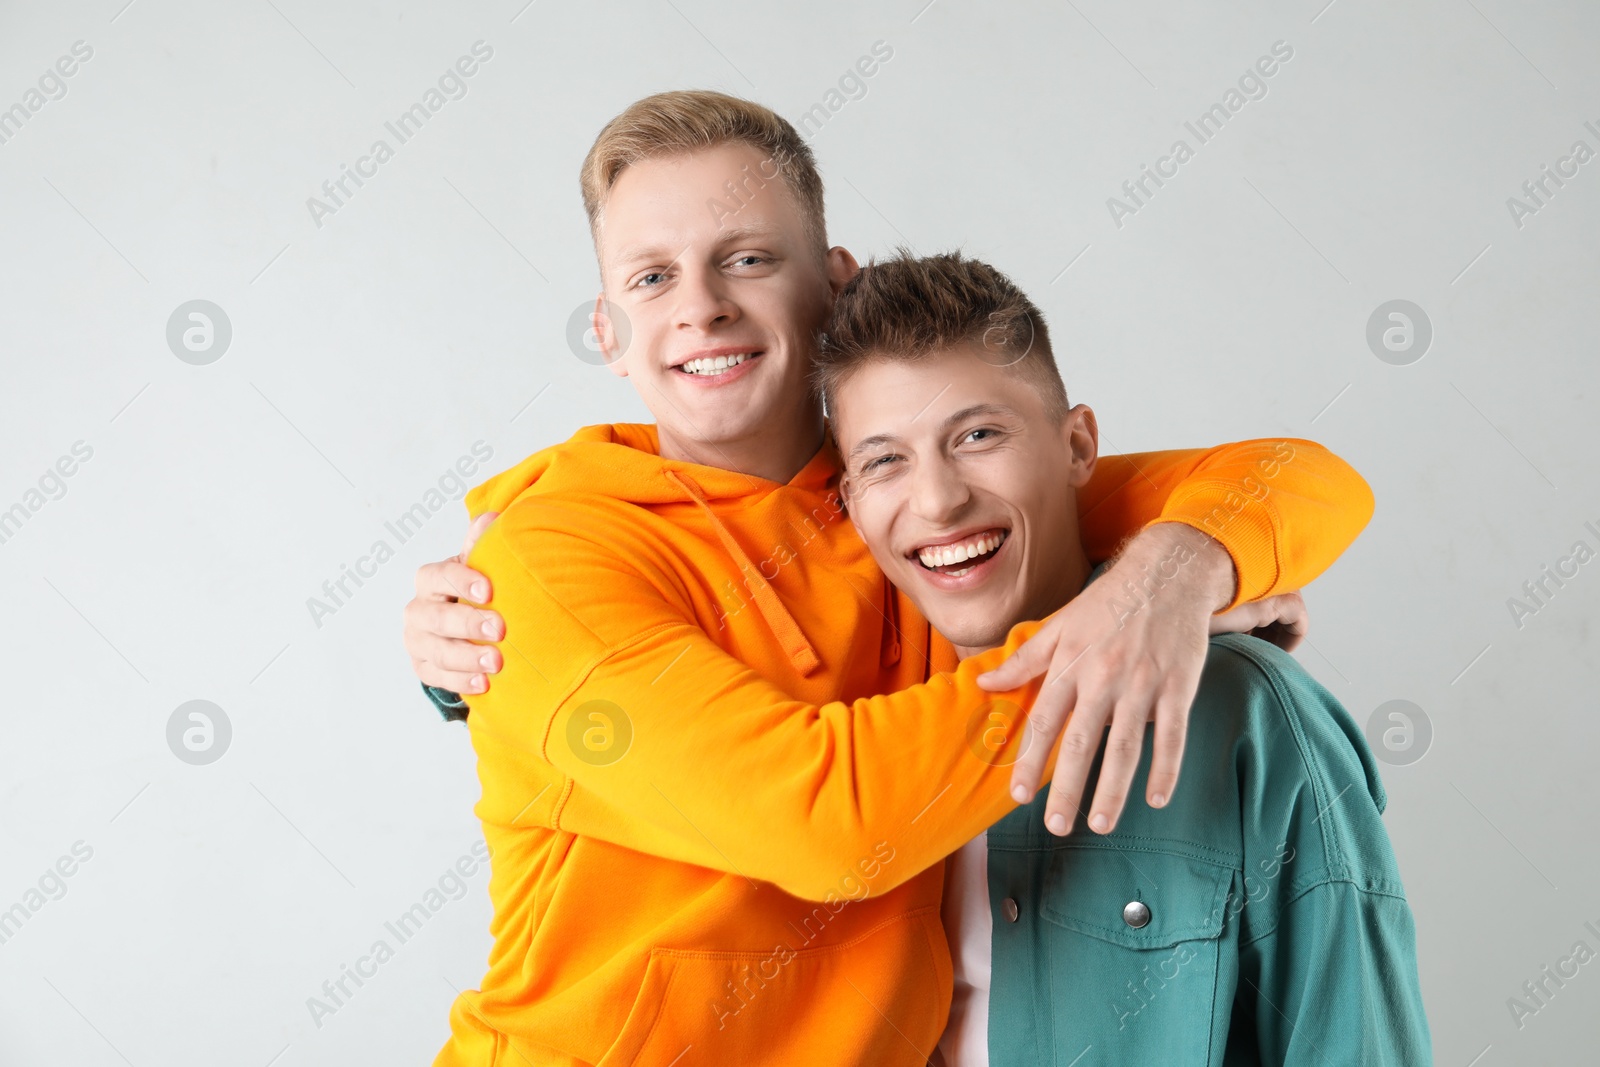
(777,452)
(1059,592)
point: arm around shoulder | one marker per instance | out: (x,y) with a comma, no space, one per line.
(698,758)
(1284,508)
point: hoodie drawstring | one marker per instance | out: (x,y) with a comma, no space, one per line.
(783,625)
(889,653)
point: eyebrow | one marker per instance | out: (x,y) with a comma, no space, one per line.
(952,420)
(640,252)
(870,443)
(737,235)
(973,410)
(746,233)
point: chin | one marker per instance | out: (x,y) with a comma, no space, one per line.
(964,632)
(736,422)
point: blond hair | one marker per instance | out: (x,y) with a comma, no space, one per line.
(689,120)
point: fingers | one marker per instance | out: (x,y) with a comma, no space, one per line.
(1242,619)
(1284,621)
(1120,764)
(1045,720)
(475,531)
(449,579)
(453,654)
(1296,620)
(1079,744)
(1285,609)
(440,631)
(1281,619)
(1292,636)
(436,635)
(1279,634)
(451,663)
(448,619)
(1166,757)
(1065,802)
(455,681)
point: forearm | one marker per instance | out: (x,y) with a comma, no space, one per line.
(720,767)
(725,771)
(1283,509)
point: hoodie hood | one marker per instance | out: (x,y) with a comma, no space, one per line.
(623,461)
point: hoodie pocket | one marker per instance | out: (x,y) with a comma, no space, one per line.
(879,998)
(647,1008)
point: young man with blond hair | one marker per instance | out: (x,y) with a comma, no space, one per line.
(713,840)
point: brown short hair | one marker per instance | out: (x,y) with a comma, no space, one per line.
(909,307)
(692,119)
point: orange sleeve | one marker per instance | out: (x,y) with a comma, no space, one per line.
(706,762)
(1284,508)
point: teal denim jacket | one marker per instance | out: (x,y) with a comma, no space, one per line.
(1257,919)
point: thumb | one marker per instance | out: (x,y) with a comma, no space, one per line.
(1030,660)
(475,531)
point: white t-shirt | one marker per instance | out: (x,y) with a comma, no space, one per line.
(969,926)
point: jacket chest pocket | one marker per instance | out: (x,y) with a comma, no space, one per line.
(1135,954)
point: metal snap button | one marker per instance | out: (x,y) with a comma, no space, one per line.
(1136,914)
(1008,908)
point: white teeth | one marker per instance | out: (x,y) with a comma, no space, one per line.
(713,365)
(945,555)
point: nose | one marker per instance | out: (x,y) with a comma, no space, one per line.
(938,492)
(704,302)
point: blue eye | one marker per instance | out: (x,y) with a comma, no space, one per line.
(645,281)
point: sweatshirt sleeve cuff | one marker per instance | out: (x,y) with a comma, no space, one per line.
(1246,528)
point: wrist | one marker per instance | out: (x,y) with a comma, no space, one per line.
(1185,558)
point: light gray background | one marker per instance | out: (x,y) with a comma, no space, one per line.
(430,313)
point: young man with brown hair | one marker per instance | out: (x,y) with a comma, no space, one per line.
(712,841)
(1258,919)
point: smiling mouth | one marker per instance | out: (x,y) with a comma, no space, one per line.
(710,368)
(954,560)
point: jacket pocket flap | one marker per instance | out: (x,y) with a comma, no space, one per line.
(1135,897)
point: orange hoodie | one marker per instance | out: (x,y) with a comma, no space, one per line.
(712,841)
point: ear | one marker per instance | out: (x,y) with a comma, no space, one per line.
(842,266)
(610,329)
(851,494)
(847,491)
(1081,435)
(847,484)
